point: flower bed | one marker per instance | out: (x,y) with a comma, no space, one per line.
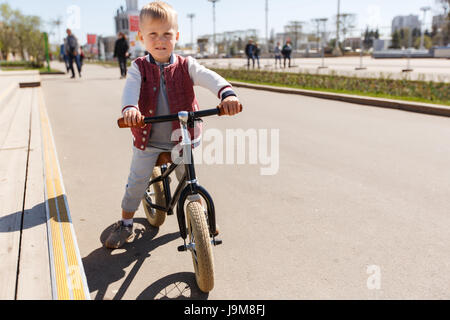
(432,92)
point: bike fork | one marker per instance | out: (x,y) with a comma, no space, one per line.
(167,192)
(191,246)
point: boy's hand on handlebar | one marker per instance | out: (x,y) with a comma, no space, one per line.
(132,117)
(230,106)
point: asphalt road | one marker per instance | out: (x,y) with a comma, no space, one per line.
(358,208)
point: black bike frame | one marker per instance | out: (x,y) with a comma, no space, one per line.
(188,185)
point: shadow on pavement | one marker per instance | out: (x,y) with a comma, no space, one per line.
(32,217)
(104,266)
(177,286)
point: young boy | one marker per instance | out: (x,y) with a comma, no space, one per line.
(158,84)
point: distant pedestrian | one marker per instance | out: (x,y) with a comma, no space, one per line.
(286,52)
(277,52)
(72,48)
(82,56)
(257,53)
(121,53)
(250,52)
(79,59)
(64,57)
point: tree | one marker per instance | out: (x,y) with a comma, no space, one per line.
(407,37)
(442,35)
(395,40)
(7,33)
(427,42)
(369,37)
(20,33)
(1,45)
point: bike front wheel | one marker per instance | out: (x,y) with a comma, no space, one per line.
(200,246)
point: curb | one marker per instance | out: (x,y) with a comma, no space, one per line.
(426,108)
(45,73)
(68,277)
(30,84)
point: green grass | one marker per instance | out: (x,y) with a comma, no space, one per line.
(418,91)
(350,92)
(107,64)
(51,70)
(43,69)
(19,64)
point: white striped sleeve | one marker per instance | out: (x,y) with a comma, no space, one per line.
(209,79)
(131,92)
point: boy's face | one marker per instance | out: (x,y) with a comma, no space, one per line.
(159,38)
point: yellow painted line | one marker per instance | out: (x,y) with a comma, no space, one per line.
(69,281)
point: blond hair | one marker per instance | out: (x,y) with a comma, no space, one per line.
(159,10)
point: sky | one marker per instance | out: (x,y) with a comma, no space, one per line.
(97,16)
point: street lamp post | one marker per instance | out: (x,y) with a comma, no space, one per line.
(267,25)
(337,50)
(192,16)
(424,9)
(317,22)
(47,57)
(324,21)
(214,22)
(361,45)
(57,22)
(408,62)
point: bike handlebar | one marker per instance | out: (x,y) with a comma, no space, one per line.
(173,117)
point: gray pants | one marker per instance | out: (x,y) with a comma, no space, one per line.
(141,170)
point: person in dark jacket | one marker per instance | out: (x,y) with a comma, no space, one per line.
(122,54)
(72,48)
(250,52)
(286,52)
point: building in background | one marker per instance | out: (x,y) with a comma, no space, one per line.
(381,44)
(229,43)
(122,17)
(127,21)
(352,43)
(405,22)
(438,21)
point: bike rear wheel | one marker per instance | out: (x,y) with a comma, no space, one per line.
(155,194)
(200,246)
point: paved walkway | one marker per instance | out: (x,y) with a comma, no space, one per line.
(38,250)
(360,192)
(383,195)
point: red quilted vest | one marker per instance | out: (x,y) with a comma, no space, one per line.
(180,95)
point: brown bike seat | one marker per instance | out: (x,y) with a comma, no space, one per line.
(164,158)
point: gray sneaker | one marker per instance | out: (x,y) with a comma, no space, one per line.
(120,235)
